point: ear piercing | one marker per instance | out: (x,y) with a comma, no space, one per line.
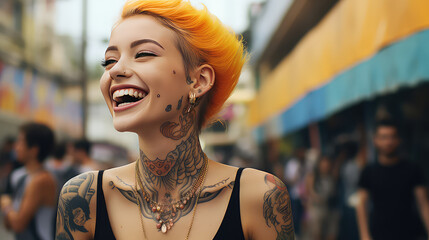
(192,100)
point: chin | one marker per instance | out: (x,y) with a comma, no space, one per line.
(124,125)
(136,125)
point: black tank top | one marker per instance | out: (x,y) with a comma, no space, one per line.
(230,227)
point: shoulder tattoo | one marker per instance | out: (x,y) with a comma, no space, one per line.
(277,209)
(73,206)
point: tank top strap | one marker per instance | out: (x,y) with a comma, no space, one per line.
(103,230)
(236,191)
(231,227)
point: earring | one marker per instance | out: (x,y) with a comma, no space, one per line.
(192,100)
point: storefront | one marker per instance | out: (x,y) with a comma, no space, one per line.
(339,77)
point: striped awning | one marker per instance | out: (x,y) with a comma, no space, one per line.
(362,48)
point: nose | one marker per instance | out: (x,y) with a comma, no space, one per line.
(119,71)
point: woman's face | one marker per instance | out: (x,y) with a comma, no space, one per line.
(144,83)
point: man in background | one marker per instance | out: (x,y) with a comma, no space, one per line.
(81,155)
(62,169)
(29,212)
(392,185)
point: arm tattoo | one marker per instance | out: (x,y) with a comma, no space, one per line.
(210,192)
(277,210)
(73,206)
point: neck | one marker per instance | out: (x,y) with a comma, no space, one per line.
(173,174)
(387,160)
(33,165)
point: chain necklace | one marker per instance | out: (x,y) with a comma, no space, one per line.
(162,225)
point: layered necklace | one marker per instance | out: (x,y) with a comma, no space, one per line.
(169,210)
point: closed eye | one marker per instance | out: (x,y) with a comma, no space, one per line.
(107,62)
(145,54)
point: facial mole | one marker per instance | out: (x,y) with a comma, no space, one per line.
(158,96)
(174,71)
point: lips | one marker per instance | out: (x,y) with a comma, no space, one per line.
(125,97)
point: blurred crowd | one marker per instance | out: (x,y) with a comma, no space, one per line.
(341,194)
(344,195)
(33,169)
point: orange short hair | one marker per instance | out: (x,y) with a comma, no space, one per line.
(202,39)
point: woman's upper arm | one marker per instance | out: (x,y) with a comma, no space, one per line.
(77,208)
(266,202)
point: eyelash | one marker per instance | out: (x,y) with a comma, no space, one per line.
(145,54)
(105,63)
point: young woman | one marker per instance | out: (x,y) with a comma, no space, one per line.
(169,69)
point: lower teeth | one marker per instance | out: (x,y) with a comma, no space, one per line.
(123,104)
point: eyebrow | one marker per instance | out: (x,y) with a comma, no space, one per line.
(111,48)
(135,43)
(141,41)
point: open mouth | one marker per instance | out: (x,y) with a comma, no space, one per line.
(127,96)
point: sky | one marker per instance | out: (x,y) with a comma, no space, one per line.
(102,14)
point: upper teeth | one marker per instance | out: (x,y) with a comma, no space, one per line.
(130,91)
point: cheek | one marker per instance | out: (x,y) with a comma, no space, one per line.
(105,82)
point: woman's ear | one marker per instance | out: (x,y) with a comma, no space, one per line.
(204,79)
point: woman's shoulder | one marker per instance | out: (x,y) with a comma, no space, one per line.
(77,207)
(77,204)
(265,202)
(252,181)
(125,172)
(258,183)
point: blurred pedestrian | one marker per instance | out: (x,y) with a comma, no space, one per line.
(81,155)
(348,181)
(7,162)
(294,174)
(29,212)
(322,187)
(392,185)
(62,169)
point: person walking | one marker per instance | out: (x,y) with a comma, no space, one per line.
(30,210)
(392,185)
(82,156)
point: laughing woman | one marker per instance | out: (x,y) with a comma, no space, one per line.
(168,70)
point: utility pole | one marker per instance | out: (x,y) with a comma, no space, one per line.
(84,77)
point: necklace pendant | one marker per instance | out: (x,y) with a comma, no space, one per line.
(164,228)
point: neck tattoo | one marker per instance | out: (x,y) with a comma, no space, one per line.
(166,212)
(181,173)
(179,168)
(177,131)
